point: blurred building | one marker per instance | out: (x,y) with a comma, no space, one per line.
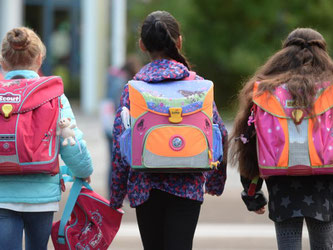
(77,35)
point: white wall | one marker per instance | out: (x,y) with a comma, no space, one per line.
(118,32)
(94,52)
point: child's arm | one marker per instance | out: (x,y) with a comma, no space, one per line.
(76,157)
(254,202)
(215,180)
(120,169)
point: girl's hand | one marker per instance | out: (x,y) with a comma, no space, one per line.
(260,211)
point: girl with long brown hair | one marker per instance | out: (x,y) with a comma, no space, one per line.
(302,66)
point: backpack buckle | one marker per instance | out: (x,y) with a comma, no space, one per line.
(214,165)
(175,115)
(297,116)
(7,110)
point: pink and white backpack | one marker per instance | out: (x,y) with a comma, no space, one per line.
(29,112)
(289,142)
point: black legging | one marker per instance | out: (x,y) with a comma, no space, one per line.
(289,234)
(167,222)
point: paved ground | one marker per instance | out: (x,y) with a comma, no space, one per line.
(224,221)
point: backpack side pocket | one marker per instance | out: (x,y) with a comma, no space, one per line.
(126,145)
(217,143)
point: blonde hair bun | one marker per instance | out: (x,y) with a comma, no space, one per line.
(18,39)
(20,48)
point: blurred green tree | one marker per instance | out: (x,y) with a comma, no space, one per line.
(227,41)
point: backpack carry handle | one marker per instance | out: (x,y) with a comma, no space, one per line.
(73,195)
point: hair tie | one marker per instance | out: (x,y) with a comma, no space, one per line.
(155,21)
(305,45)
(20,46)
(299,42)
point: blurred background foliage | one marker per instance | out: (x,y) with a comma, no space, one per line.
(227,40)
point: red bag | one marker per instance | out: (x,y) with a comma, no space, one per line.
(29,113)
(92,225)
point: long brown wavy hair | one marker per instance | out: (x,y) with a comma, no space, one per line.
(302,63)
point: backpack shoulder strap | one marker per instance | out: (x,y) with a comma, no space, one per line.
(71,200)
(268,102)
(325,101)
(73,195)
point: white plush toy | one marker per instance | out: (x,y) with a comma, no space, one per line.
(66,131)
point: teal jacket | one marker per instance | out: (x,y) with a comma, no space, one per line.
(42,188)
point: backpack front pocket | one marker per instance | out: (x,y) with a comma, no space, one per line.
(175,146)
(7,145)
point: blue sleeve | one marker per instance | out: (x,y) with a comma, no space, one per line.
(76,157)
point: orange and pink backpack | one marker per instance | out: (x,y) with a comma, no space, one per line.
(170,127)
(289,141)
